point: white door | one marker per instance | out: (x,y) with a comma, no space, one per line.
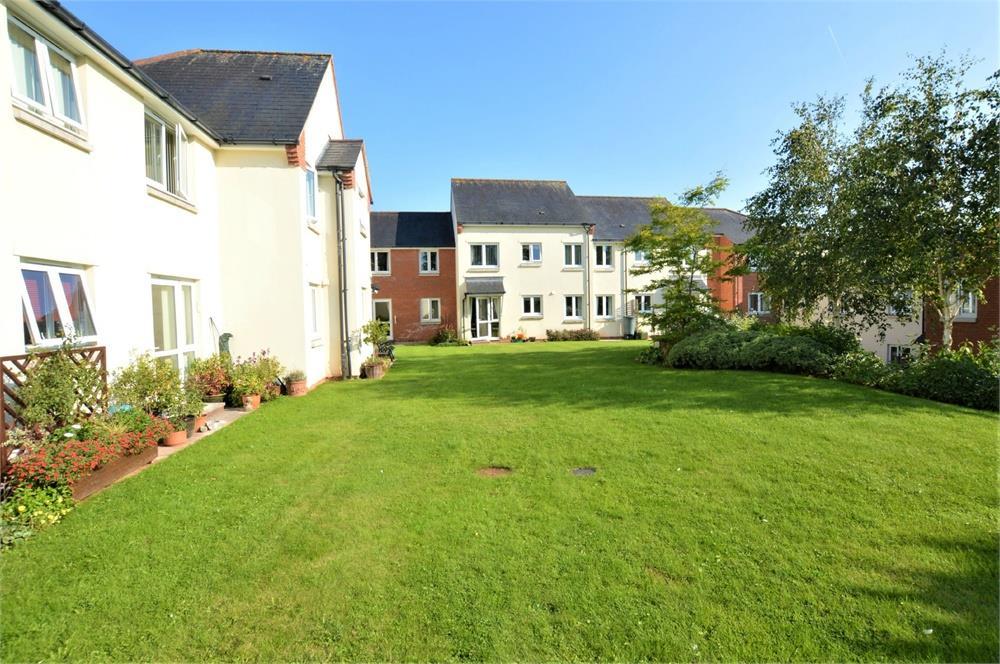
(173,322)
(383,312)
(487,323)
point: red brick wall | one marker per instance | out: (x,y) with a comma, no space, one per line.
(406,286)
(731,293)
(983,329)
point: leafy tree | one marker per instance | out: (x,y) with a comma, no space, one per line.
(680,247)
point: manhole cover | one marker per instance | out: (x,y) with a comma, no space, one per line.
(494,471)
(584,470)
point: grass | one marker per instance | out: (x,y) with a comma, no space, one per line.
(733,516)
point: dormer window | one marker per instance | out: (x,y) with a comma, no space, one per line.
(166,155)
(44,75)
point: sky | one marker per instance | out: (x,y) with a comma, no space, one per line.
(622,99)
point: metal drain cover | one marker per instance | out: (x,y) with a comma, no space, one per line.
(584,470)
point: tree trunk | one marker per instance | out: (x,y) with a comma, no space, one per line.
(947,321)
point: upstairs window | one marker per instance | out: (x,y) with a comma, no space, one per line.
(485,255)
(640,257)
(380,262)
(56,304)
(603,256)
(428,261)
(166,155)
(968,305)
(311,195)
(757,304)
(44,75)
(573,255)
(531,252)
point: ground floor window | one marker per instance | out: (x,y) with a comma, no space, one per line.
(574,306)
(383,312)
(315,303)
(532,305)
(605,306)
(430,310)
(898,354)
(173,321)
(757,304)
(644,303)
(56,304)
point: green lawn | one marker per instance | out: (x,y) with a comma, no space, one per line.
(733,516)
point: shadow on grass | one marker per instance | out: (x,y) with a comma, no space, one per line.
(959,600)
(606,375)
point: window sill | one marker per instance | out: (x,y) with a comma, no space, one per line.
(606,319)
(429,274)
(758,313)
(47,126)
(381,274)
(572,320)
(572,268)
(431,322)
(603,268)
(488,268)
(313,226)
(167,197)
(966,318)
(531,264)
(316,343)
(532,317)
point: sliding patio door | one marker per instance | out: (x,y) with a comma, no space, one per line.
(173,322)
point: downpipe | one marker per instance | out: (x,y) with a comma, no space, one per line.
(345,329)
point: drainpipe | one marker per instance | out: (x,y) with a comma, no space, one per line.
(345,329)
(625,290)
(586,274)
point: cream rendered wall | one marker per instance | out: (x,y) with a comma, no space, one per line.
(59,203)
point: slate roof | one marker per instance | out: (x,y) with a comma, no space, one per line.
(391,230)
(515,202)
(618,217)
(484,286)
(245,96)
(340,154)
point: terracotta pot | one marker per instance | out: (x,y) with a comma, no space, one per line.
(251,401)
(374,371)
(296,388)
(176,438)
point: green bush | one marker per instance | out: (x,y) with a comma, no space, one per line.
(30,509)
(797,354)
(837,339)
(717,349)
(151,385)
(56,387)
(650,355)
(950,376)
(586,334)
(445,335)
(257,374)
(862,368)
(209,376)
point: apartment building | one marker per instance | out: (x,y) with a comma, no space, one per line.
(200,193)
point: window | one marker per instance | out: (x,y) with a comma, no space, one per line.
(757,304)
(428,261)
(430,310)
(380,262)
(968,306)
(311,195)
(166,155)
(531,252)
(644,303)
(485,255)
(532,305)
(314,304)
(603,256)
(573,255)
(56,304)
(173,322)
(44,75)
(640,256)
(899,354)
(605,306)
(574,306)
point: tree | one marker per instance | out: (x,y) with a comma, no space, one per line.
(679,246)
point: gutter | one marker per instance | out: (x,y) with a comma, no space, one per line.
(345,338)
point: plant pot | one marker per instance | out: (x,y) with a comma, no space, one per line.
(374,371)
(195,424)
(296,388)
(214,398)
(251,401)
(176,438)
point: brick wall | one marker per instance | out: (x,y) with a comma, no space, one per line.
(731,293)
(406,286)
(983,328)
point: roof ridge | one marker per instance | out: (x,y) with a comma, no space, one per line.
(603,196)
(166,56)
(257,52)
(506,180)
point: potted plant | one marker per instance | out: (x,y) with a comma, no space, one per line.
(295,382)
(248,383)
(179,434)
(210,377)
(376,334)
(375,367)
(194,411)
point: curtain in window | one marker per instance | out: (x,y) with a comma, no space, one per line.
(27,74)
(76,299)
(154,150)
(43,304)
(64,92)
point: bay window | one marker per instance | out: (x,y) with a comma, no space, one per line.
(55,304)
(44,75)
(166,155)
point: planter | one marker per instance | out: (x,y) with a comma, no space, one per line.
(195,424)
(176,438)
(374,371)
(111,473)
(214,398)
(251,401)
(296,388)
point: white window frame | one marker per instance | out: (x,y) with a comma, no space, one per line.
(528,309)
(482,248)
(427,320)
(388,303)
(604,256)
(311,191)
(573,250)
(899,347)
(388,261)
(315,300)
(763,306)
(574,303)
(640,300)
(639,257)
(183,348)
(530,246)
(62,306)
(180,149)
(437,261)
(608,306)
(968,307)
(42,47)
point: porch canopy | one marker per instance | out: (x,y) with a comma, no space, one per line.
(484,286)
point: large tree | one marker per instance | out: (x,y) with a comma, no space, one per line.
(681,250)
(902,211)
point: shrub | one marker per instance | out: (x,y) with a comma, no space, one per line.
(150,385)
(718,349)
(651,355)
(444,335)
(839,340)
(209,376)
(258,374)
(862,368)
(950,376)
(585,334)
(797,354)
(30,509)
(56,387)
(375,332)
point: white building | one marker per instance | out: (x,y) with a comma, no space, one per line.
(199,193)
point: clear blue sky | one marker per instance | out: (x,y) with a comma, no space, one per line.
(617,99)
